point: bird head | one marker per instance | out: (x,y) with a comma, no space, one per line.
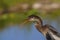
(33,18)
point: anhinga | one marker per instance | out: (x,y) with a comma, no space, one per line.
(47,30)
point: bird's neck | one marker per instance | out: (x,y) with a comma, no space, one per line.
(41,28)
(38,22)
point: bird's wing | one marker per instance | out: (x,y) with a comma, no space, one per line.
(53,30)
(49,37)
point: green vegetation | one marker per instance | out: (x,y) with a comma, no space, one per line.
(18,17)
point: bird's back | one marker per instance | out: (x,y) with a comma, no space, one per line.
(52,32)
(48,37)
(55,35)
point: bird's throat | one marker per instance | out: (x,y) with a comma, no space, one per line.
(41,29)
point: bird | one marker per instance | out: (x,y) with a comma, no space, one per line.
(49,32)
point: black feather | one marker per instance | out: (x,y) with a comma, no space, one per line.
(49,37)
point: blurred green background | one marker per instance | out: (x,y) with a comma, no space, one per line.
(14,12)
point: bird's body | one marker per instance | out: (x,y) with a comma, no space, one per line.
(47,30)
(54,36)
(53,33)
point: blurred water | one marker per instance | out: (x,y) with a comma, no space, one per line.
(15,33)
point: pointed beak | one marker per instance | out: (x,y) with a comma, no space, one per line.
(25,21)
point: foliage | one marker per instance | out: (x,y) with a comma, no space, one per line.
(17,18)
